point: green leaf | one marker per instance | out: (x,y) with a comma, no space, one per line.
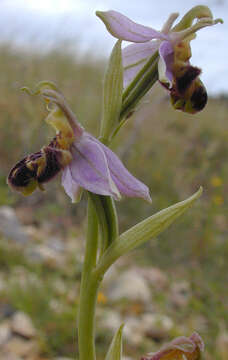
(115,349)
(142,232)
(113,89)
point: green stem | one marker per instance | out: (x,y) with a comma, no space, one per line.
(102,216)
(103,226)
(89,289)
(111,218)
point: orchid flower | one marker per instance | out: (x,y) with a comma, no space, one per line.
(85,161)
(172,45)
(181,348)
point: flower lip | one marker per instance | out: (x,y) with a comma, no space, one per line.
(20,175)
(199,98)
(184,81)
(38,168)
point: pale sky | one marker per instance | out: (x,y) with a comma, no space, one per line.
(45,23)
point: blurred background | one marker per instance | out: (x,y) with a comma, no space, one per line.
(174,284)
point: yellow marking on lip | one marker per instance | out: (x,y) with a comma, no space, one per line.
(28,190)
(66,158)
(62,127)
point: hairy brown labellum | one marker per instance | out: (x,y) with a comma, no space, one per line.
(188,92)
(185,78)
(38,168)
(199,97)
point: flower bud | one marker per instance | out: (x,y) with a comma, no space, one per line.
(181,348)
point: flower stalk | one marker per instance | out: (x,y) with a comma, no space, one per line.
(89,288)
(102,224)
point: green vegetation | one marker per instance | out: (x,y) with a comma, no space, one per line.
(173,153)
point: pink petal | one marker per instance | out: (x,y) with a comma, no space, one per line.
(123,28)
(134,58)
(126,183)
(89,167)
(72,188)
(166,60)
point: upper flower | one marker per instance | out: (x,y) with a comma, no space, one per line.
(85,161)
(172,47)
(181,348)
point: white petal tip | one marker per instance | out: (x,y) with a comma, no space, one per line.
(147,198)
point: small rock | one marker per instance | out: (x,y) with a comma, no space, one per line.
(10,226)
(133,331)
(155,277)
(5,333)
(130,285)
(109,319)
(56,244)
(22,325)
(156,326)
(44,254)
(180,294)
(34,233)
(19,347)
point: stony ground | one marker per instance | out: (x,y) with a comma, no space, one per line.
(39,286)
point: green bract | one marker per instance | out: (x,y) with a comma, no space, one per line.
(115,349)
(113,89)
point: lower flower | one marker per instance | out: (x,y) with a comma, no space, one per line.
(85,161)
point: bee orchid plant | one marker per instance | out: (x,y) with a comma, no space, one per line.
(88,164)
